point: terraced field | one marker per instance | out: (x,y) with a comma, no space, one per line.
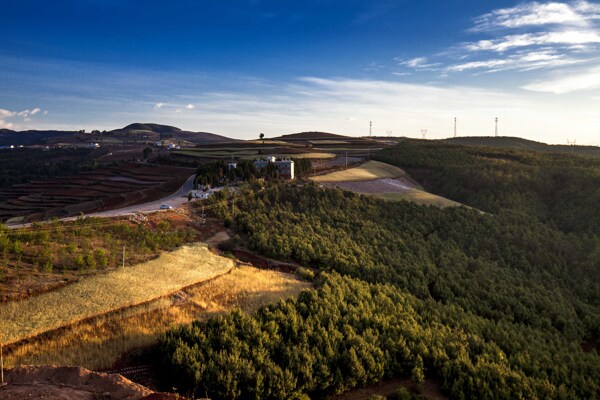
(97,190)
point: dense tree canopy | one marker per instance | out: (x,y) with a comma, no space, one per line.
(551,187)
(24,165)
(495,305)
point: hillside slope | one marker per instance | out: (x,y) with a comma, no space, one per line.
(516,143)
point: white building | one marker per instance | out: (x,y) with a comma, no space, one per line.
(285,167)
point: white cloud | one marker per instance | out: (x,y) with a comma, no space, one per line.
(557,34)
(159,105)
(26,115)
(419,63)
(535,39)
(519,61)
(190,107)
(6,113)
(586,80)
(6,125)
(578,13)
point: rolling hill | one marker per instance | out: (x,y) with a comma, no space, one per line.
(136,131)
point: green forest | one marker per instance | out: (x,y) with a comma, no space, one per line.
(560,189)
(494,304)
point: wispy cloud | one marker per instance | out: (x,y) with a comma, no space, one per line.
(190,107)
(418,63)
(578,13)
(547,36)
(535,39)
(159,105)
(585,80)
(520,61)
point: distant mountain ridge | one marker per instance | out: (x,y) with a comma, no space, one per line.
(149,131)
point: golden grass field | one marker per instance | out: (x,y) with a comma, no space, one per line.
(101,342)
(365,172)
(420,197)
(100,294)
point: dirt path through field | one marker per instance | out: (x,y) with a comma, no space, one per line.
(115,290)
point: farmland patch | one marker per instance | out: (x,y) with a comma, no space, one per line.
(115,290)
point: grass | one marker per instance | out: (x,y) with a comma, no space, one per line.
(365,172)
(101,294)
(101,343)
(419,197)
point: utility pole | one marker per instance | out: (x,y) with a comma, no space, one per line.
(454,126)
(496,131)
(370,128)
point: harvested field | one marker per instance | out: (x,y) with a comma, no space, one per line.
(100,343)
(115,290)
(368,171)
(384,181)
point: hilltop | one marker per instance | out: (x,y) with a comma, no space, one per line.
(165,131)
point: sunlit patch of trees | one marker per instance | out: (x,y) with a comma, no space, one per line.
(87,244)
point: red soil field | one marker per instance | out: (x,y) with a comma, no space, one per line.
(98,190)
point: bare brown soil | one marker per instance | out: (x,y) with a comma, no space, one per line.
(68,383)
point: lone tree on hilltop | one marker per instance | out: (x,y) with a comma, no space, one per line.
(262,137)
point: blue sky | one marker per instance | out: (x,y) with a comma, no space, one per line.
(242,67)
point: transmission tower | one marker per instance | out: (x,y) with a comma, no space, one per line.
(424,133)
(496,130)
(370,128)
(454,126)
(572,142)
(389,133)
